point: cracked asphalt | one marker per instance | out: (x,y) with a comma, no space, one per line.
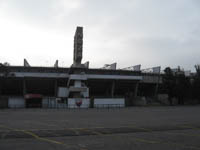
(138,128)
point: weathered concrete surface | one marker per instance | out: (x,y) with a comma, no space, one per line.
(128,128)
(163,99)
(139,101)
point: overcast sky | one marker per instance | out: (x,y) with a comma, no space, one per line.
(129,32)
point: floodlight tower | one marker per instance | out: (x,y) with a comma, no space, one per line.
(76,83)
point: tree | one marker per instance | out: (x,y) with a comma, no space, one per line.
(196,83)
(4,68)
(169,83)
(6,64)
(182,88)
(197,67)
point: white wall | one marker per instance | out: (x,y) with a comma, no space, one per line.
(77,83)
(49,102)
(72,102)
(86,93)
(109,102)
(63,92)
(52,102)
(16,102)
(45,102)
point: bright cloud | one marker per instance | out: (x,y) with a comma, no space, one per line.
(147,32)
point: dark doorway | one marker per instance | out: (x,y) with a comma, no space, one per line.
(3,102)
(34,103)
(33,100)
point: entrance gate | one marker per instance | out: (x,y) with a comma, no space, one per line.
(33,100)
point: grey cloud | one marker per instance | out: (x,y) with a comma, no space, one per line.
(127,31)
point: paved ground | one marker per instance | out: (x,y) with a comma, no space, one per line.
(138,128)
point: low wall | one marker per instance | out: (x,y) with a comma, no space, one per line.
(16,102)
(48,102)
(163,99)
(109,102)
(78,103)
(139,101)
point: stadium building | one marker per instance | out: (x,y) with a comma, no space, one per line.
(77,86)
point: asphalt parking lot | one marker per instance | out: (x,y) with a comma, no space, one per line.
(139,128)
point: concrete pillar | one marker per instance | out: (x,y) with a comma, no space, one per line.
(24,87)
(113,89)
(56,88)
(136,89)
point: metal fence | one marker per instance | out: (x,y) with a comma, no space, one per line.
(68,107)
